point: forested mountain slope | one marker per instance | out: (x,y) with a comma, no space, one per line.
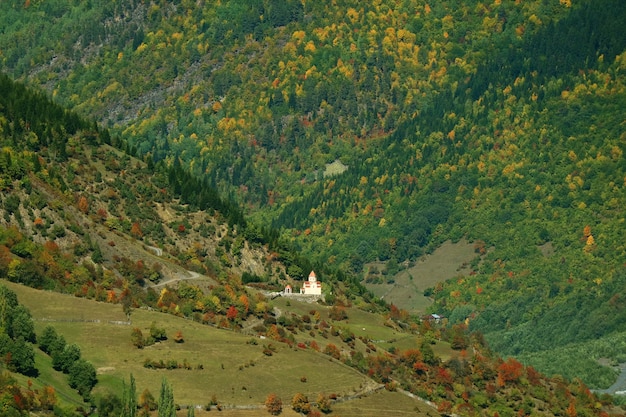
(498,121)
(81,216)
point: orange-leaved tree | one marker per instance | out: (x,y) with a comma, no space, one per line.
(300,403)
(274,404)
(83,204)
(232,312)
(509,371)
(135,230)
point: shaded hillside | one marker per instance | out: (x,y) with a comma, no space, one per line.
(499,122)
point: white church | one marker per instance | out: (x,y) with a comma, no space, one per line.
(310,287)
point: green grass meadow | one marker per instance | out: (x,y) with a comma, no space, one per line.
(233,370)
(407,290)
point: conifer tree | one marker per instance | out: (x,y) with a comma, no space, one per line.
(129,401)
(166,407)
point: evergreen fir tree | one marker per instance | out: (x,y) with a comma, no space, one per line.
(129,401)
(166,407)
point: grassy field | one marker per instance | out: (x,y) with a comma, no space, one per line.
(335,168)
(384,403)
(66,396)
(234,368)
(363,324)
(448,261)
(378,404)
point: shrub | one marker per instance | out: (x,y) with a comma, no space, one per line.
(12,203)
(338,313)
(268,350)
(137,338)
(323,403)
(109,405)
(147,401)
(157,333)
(300,403)
(57,231)
(274,404)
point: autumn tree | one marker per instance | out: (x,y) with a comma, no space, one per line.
(509,371)
(394,312)
(459,337)
(338,313)
(245,302)
(571,409)
(300,403)
(83,204)
(47,398)
(137,339)
(323,403)
(232,313)
(147,402)
(135,230)
(533,376)
(332,350)
(272,332)
(274,404)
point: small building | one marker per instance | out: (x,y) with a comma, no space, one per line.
(288,290)
(432,318)
(312,286)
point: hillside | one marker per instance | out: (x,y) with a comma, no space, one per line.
(83,218)
(500,123)
(220,369)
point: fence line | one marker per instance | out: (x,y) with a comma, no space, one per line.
(116,322)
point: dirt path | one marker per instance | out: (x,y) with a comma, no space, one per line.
(192,275)
(157,251)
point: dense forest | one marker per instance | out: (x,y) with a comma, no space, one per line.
(64,192)
(52,158)
(501,122)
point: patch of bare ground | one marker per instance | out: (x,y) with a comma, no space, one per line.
(547,249)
